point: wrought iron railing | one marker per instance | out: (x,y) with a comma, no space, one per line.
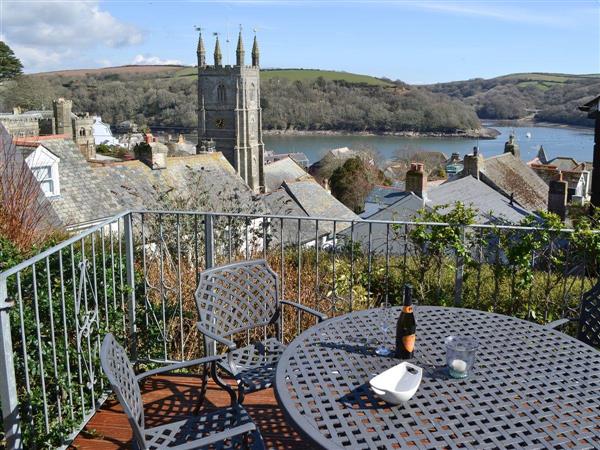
(135,275)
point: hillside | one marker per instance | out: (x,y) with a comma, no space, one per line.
(118,70)
(551,97)
(308,99)
(188,71)
(292,99)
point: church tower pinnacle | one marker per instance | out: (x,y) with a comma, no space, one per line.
(239,53)
(218,56)
(201,52)
(255,55)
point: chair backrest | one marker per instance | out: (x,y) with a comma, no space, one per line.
(237,297)
(589,317)
(119,371)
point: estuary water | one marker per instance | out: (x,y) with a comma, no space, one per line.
(557,141)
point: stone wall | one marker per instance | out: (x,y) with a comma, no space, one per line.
(20,126)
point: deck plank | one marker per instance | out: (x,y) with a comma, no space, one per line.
(167,397)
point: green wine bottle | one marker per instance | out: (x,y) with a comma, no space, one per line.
(406,327)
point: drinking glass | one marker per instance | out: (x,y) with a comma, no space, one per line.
(460,355)
(384,326)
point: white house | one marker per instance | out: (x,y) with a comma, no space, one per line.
(102,133)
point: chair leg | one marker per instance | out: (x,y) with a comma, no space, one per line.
(240,394)
(203,389)
(222,384)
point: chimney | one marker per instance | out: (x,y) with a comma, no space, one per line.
(416,179)
(557,197)
(153,154)
(473,164)
(206,146)
(511,146)
(16,110)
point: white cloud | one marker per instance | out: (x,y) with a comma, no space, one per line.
(154,61)
(46,34)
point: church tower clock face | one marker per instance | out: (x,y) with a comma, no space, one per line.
(220,123)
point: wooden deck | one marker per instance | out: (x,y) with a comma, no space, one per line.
(166,397)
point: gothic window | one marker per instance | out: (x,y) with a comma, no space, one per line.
(82,132)
(252,92)
(221,94)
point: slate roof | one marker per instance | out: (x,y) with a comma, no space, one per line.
(196,182)
(317,202)
(403,210)
(280,203)
(381,197)
(564,163)
(84,195)
(285,169)
(509,175)
(492,206)
(300,158)
(386,195)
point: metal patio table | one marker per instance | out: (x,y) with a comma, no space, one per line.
(532,387)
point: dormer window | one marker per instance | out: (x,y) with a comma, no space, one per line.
(44,166)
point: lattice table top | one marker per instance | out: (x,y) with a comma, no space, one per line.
(531,387)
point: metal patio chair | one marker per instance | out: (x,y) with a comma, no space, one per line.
(229,427)
(241,297)
(588,322)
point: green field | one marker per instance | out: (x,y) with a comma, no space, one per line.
(305,74)
(311,74)
(548,77)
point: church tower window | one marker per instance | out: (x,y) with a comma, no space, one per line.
(221,94)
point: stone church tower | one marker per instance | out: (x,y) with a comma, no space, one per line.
(229,113)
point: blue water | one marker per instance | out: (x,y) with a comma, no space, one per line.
(557,141)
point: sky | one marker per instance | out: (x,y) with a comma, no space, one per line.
(413,41)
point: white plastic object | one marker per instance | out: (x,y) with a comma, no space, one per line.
(397,384)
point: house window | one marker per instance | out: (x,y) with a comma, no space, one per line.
(44,176)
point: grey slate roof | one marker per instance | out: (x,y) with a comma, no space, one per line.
(509,175)
(84,195)
(285,169)
(197,182)
(404,210)
(386,195)
(563,162)
(493,207)
(317,202)
(280,203)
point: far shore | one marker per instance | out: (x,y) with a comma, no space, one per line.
(482,133)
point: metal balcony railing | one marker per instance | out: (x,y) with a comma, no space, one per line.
(135,274)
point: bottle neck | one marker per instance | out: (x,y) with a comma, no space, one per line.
(407,297)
